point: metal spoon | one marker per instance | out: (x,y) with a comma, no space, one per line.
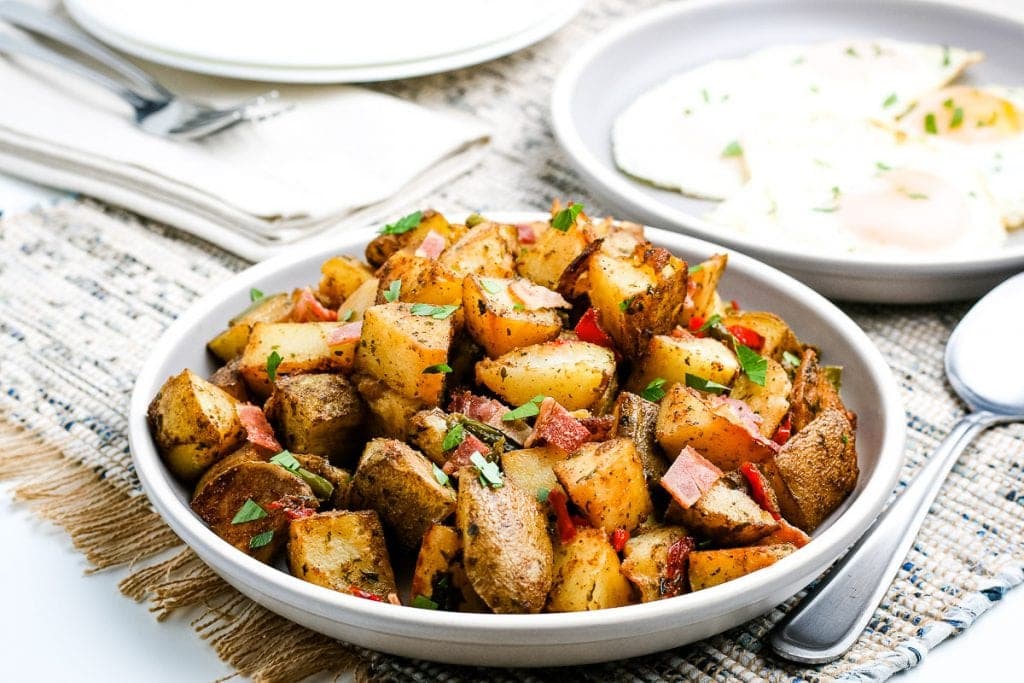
(833,615)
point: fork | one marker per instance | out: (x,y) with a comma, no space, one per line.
(157,110)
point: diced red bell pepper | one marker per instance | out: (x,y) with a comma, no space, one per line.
(784,431)
(360,593)
(619,538)
(747,337)
(735,305)
(696,322)
(559,505)
(589,330)
(676,564)
(759,488)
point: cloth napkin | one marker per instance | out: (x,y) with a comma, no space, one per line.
(337,153)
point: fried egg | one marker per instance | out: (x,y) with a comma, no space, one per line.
(684,134)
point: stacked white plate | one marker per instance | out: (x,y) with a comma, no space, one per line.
(321,41)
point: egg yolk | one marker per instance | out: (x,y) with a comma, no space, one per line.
(964,114)
(909,209)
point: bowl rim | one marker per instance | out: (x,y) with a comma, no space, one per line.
(614,182)
(570,627)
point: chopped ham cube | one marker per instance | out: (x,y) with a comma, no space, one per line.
(526,233)
(432,245)
(536,297)
(257,430)
(460,457)
(349,332)
(740,413)
(689,477)
(555,426)
(308,310)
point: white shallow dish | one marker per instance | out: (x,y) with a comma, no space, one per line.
(610,72)
(541,639)
(321,42)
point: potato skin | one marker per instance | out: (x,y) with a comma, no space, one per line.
(506,548)
(317,413)
(606,480)
(341,276)
(389,411)
(231,342)
(713,567)
(398,482)
(228,378)
(705,277)
(303,348)
(728,515)
(488,249)
(645,559)
(587,575)
(636,419)
(439,562)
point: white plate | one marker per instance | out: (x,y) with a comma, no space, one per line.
(610,72)
(539,639)
(321,42)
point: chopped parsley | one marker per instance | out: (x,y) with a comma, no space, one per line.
(542,495)
(255,295)
(851,52)
(260,540)
(929,124)
(948,103)
(518,307)
(566,218)
(916,195)
(286,460)
(453,437)
(945,55)
(528,409)
(435,312)
(704,94)
(753,365)
(249,512)
(273,361)
(958,118)
(626,303)
(439,474)
(695,269)
(710,322)
(845,439)
(394,289)
(882,167)
(890,100)
(825,209)
(403,225)
(423,602)
(474,219)
(437,369)
(490,474)
(791,358)
(347,315)
(711,387)
(491,286)
(733,149)
(654,391)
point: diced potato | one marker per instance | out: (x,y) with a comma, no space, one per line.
(545,260)
(342,275)
(704,278)
(586,575)
(228,378)
(712,567)
(606,481)
(390,411)
(383,246)
(574,373)
(423,280)
(495,323)
(343,551)
(317,413)
(427,430)
(728,516)
(220,498)
(397,346)
(645,559)
(488,249)
(440,574)
(687,418)
(194,423)
(398,482)
(816,470)
(778,337)
(813,392)
(303,348)
(231,342)
(771,401)
(673,358)
(506,548)
(637,298)
(532,469)
(352,308)
(636,419)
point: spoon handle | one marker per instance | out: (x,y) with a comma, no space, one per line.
(827,622)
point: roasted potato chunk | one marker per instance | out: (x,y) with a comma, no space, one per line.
(703,286)
(606,481)
(778,337)
(440,575)
(728,516)
(546,259)
(636,419)
(302,347)
(488,249)
(771,401)
(341,276)
(498,322)
(816,470)
(387,243)
(645,560)
(423,279)
(231,342)
(506,548)
(673,358)
(637,298)
(532,469)
(389,411)
(708,424)
(221,498)
(352,308)
(576,374)
(814,392)
(427,430)
(194,423)
(228,378)
(712,567)
(343,551)
(586,575)
(398,482)
(317,413)
(337,477)
(397,347)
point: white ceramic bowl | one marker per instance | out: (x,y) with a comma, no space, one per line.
(540,639)
(611,71)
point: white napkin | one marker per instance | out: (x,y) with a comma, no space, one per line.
(340,153)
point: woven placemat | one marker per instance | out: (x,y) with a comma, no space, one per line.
(85,290)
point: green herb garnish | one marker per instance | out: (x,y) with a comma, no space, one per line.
(491,286)
(255,295)
(260,540)
(542,495)
(490,474)
(528,409)
(423,602)
(286,460)
(711,387)
(753,365)
(453,437)
(916,195)
(945,55)
(403,225)
(791,358)
(394,289)
(929,124)
(733,149)
(566,218)
(882,167)
(437,369)
(518,307)
(626,303)
(890,100)
(958,118)
(347,315)
(845,439)
(654,391)
(710,322)
(273,361)
(435,312)
(249,512)
(695,269)
(474,219)
(851,52)
(439,474)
